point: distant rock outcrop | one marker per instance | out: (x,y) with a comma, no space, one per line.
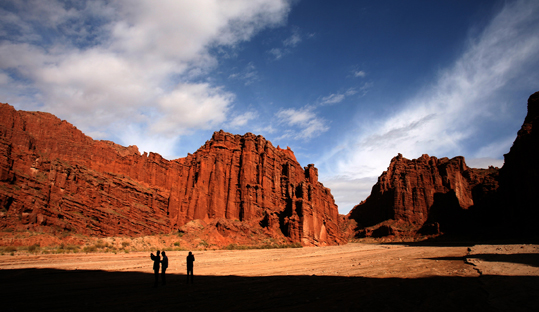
(55,178)
(427,194)
(430,196)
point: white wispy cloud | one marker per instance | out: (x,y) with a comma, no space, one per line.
(333,98)
(191,106)
(288,44)
(277,53)
(438,119)
(360,73)
(294,39)
(106,64)
(346,190)
(242,119)
(497,148)
(249,74)
(304,120)
(337,97)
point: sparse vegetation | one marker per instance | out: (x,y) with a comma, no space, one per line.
(89,249)
(59,243)
(265,246)
(101,245)
(204,244)
(34,248)
(10,249)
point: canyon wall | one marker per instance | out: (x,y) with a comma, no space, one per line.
(55,178)
(519,177)
(432,196)
(427,195)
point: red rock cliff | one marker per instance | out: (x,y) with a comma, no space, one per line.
(425,194)
(429,194)
(54,177)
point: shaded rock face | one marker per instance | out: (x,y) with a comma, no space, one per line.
(426,195)
(430,195)
(53,177)
(519,176)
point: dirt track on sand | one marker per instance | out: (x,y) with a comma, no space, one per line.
(353,277)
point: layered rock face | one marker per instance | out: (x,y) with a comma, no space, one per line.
(53,177)
(246,178)
(427,194)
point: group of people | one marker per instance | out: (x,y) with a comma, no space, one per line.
(163,263)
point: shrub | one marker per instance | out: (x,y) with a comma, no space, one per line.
(100,244)
(10,249)
(90,249)
(125,244)
(72,248)
(34,248)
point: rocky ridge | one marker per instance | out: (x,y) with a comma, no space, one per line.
(426,195)
(54,178)
(431,196)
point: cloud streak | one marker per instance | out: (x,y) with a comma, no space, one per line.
(304,120)
(438,119)
(288,44)
(337,97)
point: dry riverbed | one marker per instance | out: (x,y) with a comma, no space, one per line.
(353,277)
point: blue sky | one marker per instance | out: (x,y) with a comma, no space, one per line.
(345,84)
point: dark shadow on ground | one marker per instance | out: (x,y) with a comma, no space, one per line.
(59,290)
(455,241)
(521,258)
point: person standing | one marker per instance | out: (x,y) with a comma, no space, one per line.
(190,260)
(156,260)
(164,266)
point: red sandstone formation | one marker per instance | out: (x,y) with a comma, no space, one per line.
(55,178)
(427,194)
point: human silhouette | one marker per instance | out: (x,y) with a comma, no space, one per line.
(164,266)
(190,260)
(156,259)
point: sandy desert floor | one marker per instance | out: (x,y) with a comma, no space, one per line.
(353,277)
